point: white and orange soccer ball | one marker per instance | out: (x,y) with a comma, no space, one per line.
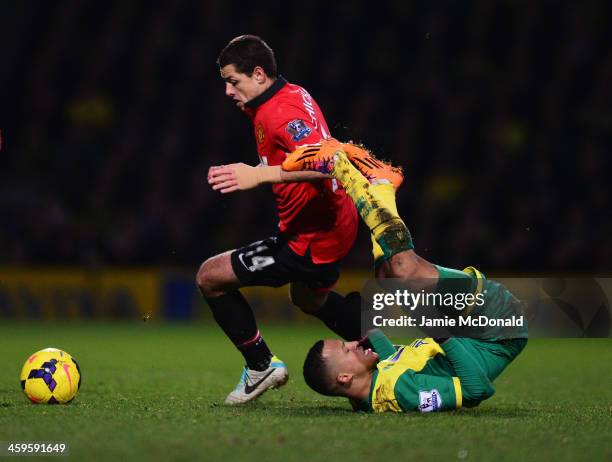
(50,376)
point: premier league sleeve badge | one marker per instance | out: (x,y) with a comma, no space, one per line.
(298,129)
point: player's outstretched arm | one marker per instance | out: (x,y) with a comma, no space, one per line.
(240,177)
(294,177)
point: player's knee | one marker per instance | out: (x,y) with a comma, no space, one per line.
(408,265)
(403,266)
(301,302)
(308,307)
(307,302)
(294,298)
(205,279)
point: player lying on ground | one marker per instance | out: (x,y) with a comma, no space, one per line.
(425,375)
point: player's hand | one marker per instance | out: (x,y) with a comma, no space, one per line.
(232,177)
(240,177)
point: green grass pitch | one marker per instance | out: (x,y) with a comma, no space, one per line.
(155,392)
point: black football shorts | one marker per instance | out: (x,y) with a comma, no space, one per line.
(272,263)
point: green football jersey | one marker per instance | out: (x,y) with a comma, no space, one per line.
(404,380)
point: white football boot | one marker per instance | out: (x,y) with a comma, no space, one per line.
(254,383)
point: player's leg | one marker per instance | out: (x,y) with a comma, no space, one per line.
(310,290)
(374,198)
(384,223)
(218,282)
(219,286)
(272,263)
(494,357)
(216,276)
(339,313)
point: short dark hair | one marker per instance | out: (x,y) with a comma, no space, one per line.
(317,373)
(247,52)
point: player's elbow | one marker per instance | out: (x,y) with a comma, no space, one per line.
(488,391)
(476,394)
(476,391)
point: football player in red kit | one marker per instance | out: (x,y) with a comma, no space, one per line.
(317,220)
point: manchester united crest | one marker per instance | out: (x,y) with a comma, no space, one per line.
(259,133)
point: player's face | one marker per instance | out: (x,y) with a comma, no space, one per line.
(349,357)
(241,87)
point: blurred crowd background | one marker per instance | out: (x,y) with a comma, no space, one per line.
(499,112)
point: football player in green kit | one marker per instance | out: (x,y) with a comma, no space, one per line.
(427,375)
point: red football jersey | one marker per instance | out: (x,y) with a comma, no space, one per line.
(314,215)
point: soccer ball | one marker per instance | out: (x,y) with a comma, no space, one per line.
(50,376)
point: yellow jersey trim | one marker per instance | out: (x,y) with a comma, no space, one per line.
(479,284)
(479,278)
(458,395)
